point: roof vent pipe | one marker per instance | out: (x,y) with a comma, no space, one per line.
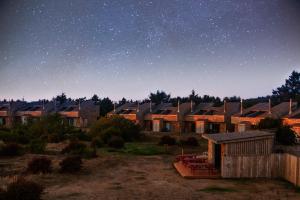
(192,106)
(290,108)
(150,106)
(270,106)
(178,109)
(225,104)
(241,106)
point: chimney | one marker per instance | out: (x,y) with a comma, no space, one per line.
(138,107)
(79,106)
(55,105)
(43,107)
(192,106)
(270,106)
(241,106)
(225,104)
(178,109)
(114,107)
(150,106)
(290,108)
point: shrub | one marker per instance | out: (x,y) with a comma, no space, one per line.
(11,149)
(167,140)
(37,146)
(97,142)
(285,136)
(269,123)
(190,141)
(108,133)
(124,128)
(116,142)
(40,165)
(13,137)
(22,189)
(70,164)
(75,147)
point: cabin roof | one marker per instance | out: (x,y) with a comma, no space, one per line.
(222,138)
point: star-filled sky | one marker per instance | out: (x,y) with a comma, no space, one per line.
(127,48)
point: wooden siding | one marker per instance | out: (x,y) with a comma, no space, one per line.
(3,113)
(30,113)
(251,147)
(69,114)
(284,166)
(209,118)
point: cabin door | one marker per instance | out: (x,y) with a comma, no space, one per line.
(217,156)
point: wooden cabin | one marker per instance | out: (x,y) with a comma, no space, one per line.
(80,115)
(7,112)
(249,143)
(249,118)
(293,120)
(166,117)
(33,111)
(134,112)
(207,118)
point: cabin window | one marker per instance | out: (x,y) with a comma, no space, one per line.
(24,120)
(156,126)
(2,121)
(241,127)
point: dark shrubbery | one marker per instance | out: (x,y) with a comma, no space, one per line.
(167,140)
(190,141)
(97,142)
(116,142)
(79,148)
(74,147)
(11,149)
(22,189)
(285,136)
(269,123)
(71,164)
(39,165)
(37,146)
(115,126)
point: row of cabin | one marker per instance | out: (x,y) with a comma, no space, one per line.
(79,115)
(207,117)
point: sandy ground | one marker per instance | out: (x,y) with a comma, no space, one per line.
(140,177)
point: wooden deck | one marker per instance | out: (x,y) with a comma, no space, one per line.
(186,172)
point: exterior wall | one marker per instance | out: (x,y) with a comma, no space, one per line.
(209,118)
(294,124)
(251,147)
(251,120)
(211,152)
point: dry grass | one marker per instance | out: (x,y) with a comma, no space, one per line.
(126,176)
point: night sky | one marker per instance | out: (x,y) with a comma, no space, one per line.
(127,48)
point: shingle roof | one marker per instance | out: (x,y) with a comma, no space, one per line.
(221,138)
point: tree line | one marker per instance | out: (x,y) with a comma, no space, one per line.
(290,89)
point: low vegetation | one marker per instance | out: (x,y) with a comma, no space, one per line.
(79,148)
(70,164)
(11,149)
(167,140)
(190,141)
(22,189)
(39,165)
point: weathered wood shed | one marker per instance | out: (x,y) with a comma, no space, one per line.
(250,143)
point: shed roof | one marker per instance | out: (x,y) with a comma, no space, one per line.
(221,138)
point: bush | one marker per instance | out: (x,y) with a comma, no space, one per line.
(70,164)
(97,142)
(167,140)
(39,165)
(108,133)
(190,141)
(285,136)
(75,147)
(269,123)
(11,149)
(37,146)
(121,127)
(116,142)
(13,137)
(22,189)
